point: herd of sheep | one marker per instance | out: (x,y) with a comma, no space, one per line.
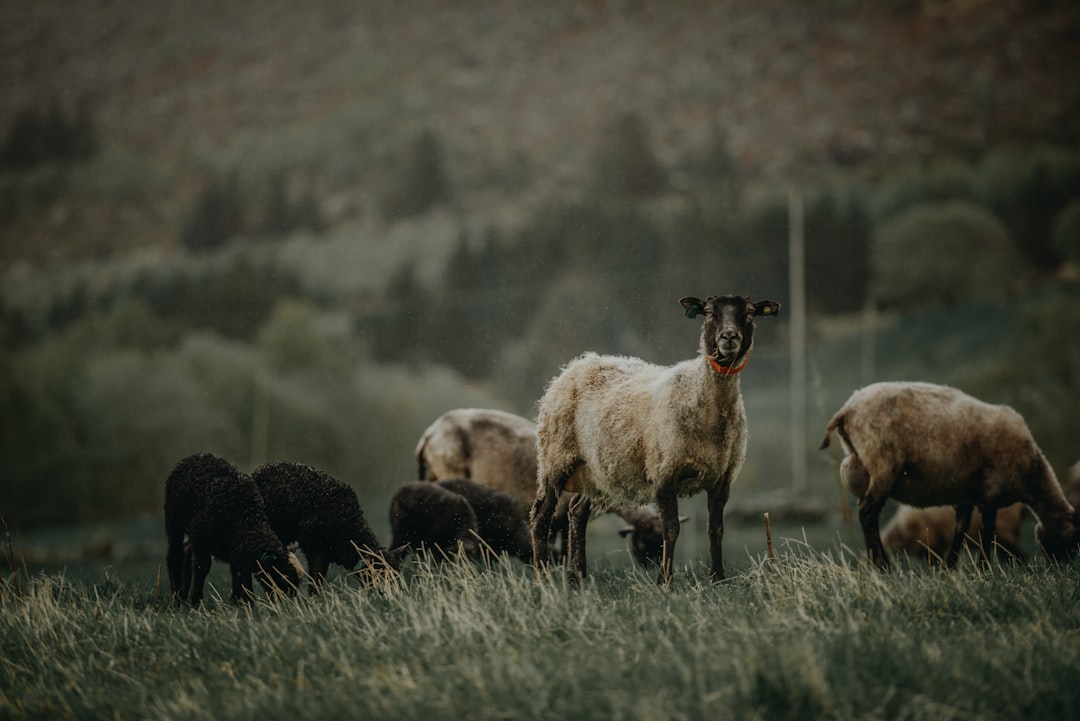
(617,434)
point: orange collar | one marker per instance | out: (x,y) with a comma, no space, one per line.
(729,371)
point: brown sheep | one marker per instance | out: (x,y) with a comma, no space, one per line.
(924,531)
(928,445)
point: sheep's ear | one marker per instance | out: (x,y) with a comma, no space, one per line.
(694,307)
(766,307)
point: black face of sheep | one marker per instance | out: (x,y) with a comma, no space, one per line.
(646,539)
(728,331)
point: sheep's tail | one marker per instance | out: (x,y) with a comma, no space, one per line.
(421,466)
(836,424)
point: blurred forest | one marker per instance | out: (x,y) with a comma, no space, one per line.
(303,232)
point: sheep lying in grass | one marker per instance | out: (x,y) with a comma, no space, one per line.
(322,515)
(616,429)
(498,449)
(220,511)
(924,531)
(501,522)
(427,515)
(927,445)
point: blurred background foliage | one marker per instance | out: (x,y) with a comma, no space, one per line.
(313,262)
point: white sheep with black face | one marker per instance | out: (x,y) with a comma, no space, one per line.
(930,445)
(614,429)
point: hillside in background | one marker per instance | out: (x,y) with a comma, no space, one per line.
(332,94)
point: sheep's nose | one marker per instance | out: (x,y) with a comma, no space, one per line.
(731,336)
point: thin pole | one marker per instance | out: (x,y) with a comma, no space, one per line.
(797,294)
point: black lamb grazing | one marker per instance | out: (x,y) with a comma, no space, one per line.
(322,515)
(501,522)
(221,512)
(427,515)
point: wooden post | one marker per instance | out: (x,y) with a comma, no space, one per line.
(797,297)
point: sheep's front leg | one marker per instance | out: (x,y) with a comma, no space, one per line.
(963,524)
(989,529)
(667,503)
(717,499)
(578,517)
(869,513)
(241,586)
(540,520)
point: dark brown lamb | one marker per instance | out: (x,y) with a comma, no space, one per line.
(501,522)
(321,514)
(426,515)
(220,511)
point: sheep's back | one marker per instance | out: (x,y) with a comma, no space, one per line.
(933,442)
(308,505)
(492,447)
(214,503)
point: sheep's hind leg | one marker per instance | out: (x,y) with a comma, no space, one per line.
(963,524)
(667,503)
(987,540)
(580,507)
(869,514)
(174,560)
(540,520)
(200,568)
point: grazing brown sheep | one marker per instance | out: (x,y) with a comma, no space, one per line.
(924,531)
(928,445)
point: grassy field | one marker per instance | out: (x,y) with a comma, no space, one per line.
(816,634)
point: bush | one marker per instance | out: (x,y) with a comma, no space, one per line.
(837,238)
(216,217)
(1038,375)
(942,253)
(1027,189)
(37,138)
(941,182)
(625,165)
(422,182)
(1066,232)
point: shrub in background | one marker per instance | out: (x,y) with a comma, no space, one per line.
(943,253)
(1065,235)
(421,183)
(1027,189)
(216,217)
(625,165)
